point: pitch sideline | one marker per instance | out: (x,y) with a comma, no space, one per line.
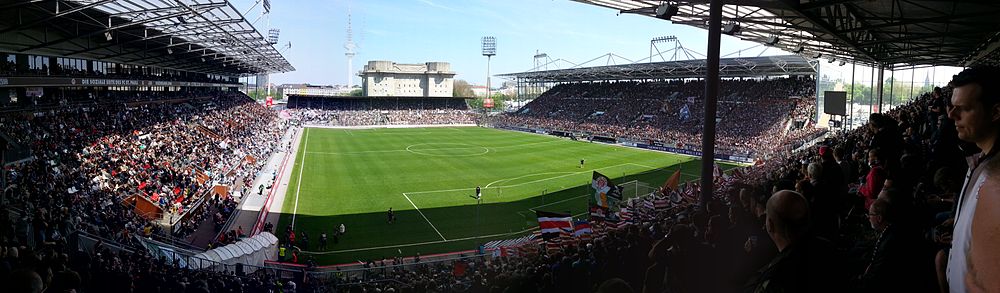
(302,169)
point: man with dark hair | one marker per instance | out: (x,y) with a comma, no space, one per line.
(974,261)
(847,166)
(896,263)
(887,140)
(804,263)
(936,106)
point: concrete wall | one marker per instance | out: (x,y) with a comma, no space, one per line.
(386,78)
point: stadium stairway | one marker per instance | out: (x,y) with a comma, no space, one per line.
(206,231)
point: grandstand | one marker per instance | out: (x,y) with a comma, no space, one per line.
(656,104)
(133,162)
(126,139)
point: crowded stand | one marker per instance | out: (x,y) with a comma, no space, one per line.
(169,153)
(337,111)
(874,209)
(88,162)
(754,113)
(868,210)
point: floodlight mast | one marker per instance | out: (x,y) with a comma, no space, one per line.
(489,50)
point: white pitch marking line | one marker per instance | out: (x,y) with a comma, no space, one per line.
(302,169)
(519,184)
(557,202)
(356,153)
(425,217)
(519,177)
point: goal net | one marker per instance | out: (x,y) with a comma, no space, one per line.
(636,189)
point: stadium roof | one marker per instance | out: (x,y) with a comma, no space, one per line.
(893,32)
(208,36)
(728,67)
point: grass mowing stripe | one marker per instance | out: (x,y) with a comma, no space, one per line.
(425,217)
(302,169)
(558,202)
(519,184)
(356,190)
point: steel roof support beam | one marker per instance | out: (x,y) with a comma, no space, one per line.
(54,16)
(63,40)
(148,38)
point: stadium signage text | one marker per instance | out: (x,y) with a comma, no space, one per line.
(88,81)
(73,82)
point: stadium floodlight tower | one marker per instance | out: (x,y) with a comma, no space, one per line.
(349,51)
(272,39)
(489,50)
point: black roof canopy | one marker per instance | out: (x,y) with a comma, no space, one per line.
(874,32)
(208,36)
(728,67)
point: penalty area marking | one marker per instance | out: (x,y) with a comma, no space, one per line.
(524,183)
(425,217)
(558,202)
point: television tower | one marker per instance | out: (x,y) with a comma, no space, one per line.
(349,48)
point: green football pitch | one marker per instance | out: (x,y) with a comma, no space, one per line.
(428,177)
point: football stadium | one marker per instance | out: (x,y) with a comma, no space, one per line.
(785,146)
(437,211)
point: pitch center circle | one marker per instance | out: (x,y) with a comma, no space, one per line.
(447,149)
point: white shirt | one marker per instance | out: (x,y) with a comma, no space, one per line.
(962,236)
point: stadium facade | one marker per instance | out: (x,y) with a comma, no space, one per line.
(90,63)
(387,78)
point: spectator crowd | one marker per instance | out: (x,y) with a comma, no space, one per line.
(379,111)
(754,114)
(88,161)
(881,208)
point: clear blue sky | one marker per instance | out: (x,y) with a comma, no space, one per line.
(417,31)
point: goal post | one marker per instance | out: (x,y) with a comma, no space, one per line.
(636,189)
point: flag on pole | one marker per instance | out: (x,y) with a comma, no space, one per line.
(597,213)
(675,197)
(672,182)
(648,204)
(603,189)
(267,6)
(553,224)
(661,203)
(625,215)
(581,229)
